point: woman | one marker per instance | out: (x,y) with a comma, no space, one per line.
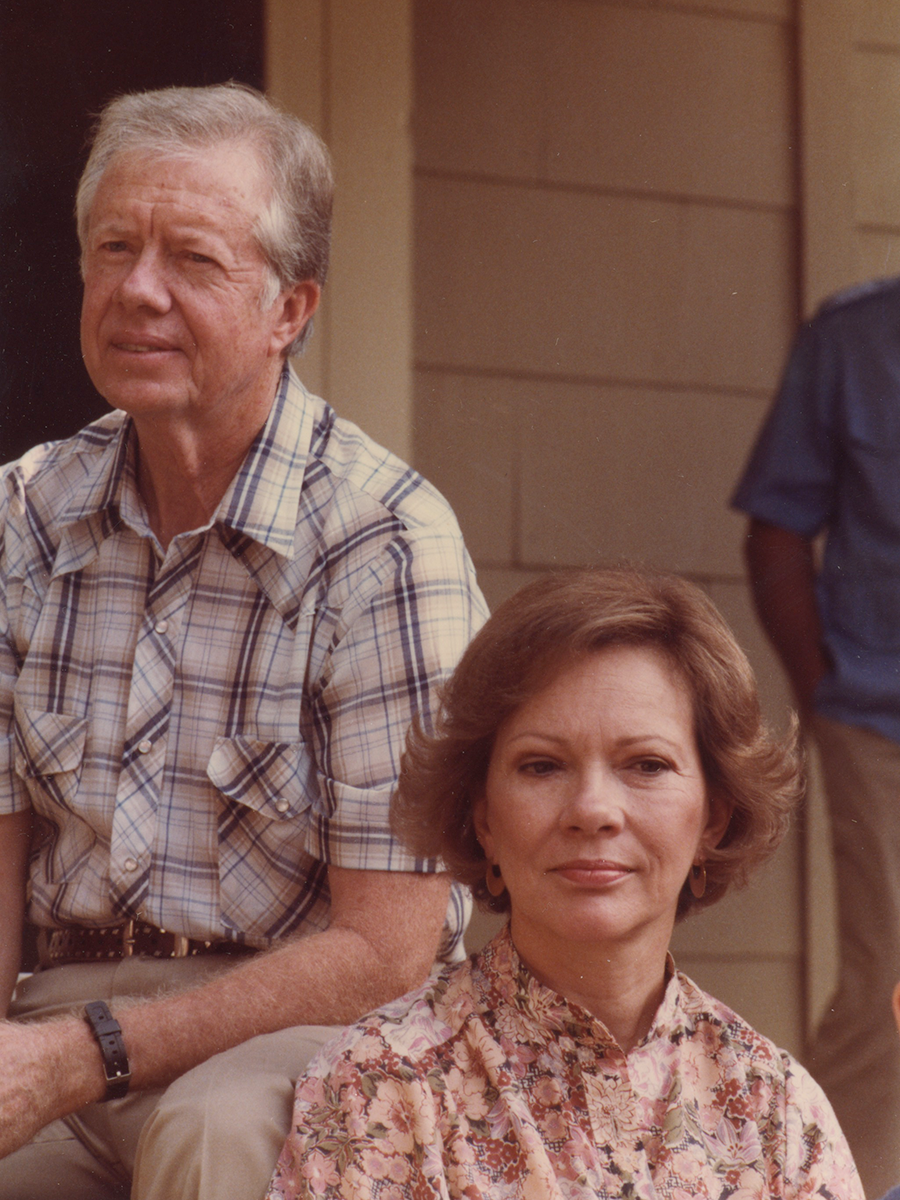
(599,769)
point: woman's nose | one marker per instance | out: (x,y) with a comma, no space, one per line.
(596,801)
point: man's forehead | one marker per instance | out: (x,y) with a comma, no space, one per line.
(203,185)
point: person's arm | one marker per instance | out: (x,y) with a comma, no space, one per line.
(382,942)
(16,816)
(782,572)
(15,839)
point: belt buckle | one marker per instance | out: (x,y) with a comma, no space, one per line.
(181,947)
(128,939)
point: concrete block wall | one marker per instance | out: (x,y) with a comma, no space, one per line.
(605,289)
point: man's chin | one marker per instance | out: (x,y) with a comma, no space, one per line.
(144,398)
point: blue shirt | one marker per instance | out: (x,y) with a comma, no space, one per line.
(828,459)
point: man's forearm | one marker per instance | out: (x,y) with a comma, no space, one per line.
(382,942)
(54,1068)
(782,573)
(325,979)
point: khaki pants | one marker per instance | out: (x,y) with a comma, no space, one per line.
(215,1134)
(855,1055)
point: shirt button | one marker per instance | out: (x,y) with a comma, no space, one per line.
(161,626)
(131,864)
(282,805)
(145,746)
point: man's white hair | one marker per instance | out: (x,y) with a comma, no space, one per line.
(293,231)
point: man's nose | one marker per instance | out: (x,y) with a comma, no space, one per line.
(144,283)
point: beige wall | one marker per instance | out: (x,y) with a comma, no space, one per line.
(606,286)
(620,210)
(850,164)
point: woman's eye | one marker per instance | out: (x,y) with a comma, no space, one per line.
(196,257)
(652,766)
(539,766)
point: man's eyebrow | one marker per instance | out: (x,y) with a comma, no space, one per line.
(112,223)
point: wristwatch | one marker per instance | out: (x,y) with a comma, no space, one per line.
(108,1032)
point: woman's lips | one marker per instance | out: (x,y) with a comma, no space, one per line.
(592,872)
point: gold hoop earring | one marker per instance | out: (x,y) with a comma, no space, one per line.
(493,881)
(697,880)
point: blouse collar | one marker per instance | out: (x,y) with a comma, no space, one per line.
(548,1013)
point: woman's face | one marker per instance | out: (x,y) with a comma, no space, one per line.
(596,807)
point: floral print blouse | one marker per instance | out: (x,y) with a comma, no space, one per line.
(485,1084)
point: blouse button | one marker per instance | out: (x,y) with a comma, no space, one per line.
(145,746)
(282,805)
(131,864)
(161,626)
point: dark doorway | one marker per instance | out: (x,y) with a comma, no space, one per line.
(60,60)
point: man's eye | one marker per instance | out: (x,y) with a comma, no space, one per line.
(114,247)
(196,257)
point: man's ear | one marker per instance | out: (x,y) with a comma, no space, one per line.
(293,310)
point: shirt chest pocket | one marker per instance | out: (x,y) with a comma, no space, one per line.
(266,778)
(49,755)
(264,804)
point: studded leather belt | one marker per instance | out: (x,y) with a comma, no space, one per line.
(81,944)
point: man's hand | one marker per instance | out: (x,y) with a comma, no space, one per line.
(46,1071)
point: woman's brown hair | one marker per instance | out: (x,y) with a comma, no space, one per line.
(535,634)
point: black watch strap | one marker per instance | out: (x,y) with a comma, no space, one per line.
(108,1032)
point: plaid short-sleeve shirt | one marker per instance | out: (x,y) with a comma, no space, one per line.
(201,731)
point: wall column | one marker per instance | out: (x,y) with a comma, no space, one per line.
(344,66)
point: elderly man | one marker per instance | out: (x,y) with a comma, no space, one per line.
(220,607)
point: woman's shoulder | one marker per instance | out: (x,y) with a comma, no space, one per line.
(411,1029)
(742,1051)
(717,1026)
(778,1090)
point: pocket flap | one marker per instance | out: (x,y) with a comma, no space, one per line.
(48,743)
(269,777)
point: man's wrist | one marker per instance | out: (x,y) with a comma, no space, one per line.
(108,1034)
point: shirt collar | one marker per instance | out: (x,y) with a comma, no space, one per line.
(102,491)
(551,1013)
(261,501)
(263,498)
